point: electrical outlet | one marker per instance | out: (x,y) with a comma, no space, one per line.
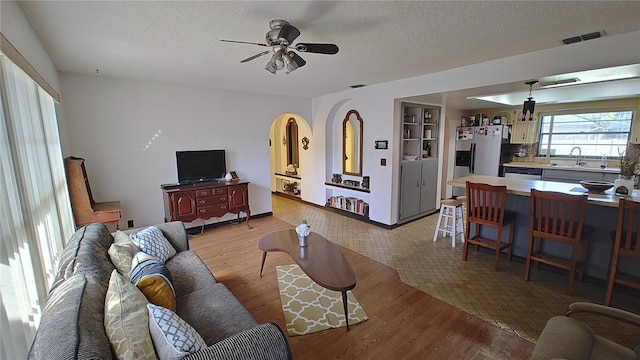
(130,223)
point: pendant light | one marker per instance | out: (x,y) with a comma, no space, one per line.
(529,104)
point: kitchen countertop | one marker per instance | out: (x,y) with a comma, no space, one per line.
(523,187)
(535,165)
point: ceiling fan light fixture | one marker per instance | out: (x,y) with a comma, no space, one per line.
(271,67)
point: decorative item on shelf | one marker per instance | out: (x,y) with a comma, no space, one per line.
(351,182)
(228,177)
(291,170)
(529,104)
(365,182)
(623,185)
(285,185)
(303,230)
(295,188)
(381,144)
(337,178)
(305,143)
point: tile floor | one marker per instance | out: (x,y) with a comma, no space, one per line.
(502,298)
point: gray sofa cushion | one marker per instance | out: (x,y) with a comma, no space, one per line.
(214,312)
(86,253)
(189,273)
(78,300)
(263,342)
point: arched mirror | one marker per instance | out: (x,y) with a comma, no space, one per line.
(352,144)
(292,143)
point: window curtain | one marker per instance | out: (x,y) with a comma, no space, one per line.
(35,211)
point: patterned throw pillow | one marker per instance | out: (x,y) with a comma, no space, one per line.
(121,253)
(152,241)
(126,320)
(172,336)
(154,280)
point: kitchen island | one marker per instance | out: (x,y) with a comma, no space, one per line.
(601,216)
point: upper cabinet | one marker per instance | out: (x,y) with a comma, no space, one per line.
(419,131)
(524,132)
(352,144)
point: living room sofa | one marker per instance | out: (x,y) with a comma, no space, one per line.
(73,320)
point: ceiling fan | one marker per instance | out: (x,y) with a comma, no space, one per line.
(280,39)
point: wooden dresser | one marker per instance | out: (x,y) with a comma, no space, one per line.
(85,209)
(204,200)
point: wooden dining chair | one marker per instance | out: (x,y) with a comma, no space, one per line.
(557,217)
(626,243)
(486,207)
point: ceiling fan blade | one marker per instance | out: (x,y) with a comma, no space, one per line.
(255,56)
(288,32)
(329,49)
(297,59)
(245,42)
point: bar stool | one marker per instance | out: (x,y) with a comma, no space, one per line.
(463,200)
(486,207)
(451,212)
(626,244)
(558,217)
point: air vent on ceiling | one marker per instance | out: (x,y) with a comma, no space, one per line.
(585,37)
(357,86)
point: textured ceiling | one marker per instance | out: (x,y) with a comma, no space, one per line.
(178,42)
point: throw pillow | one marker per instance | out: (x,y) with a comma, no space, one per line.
(173,337)
(152,241)
(154,280)
(126,320)
(121,253)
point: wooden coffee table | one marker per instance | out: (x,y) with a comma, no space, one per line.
(321,260)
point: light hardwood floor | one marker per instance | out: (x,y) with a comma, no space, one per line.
(404,322)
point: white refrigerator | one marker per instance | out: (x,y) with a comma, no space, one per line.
(479,151)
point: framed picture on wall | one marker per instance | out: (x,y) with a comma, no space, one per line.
(382,144)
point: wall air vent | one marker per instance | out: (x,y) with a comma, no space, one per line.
(585,37)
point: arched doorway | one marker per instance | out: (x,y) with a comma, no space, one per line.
(290,136)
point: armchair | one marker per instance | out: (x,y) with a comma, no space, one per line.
(566,338)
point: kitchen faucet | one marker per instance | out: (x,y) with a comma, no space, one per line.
(579,154)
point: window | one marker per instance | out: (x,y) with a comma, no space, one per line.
(595,133)
(35,212)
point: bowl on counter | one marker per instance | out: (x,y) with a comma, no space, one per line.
(409,157)
(596,186)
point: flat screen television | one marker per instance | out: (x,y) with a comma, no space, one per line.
(200,165)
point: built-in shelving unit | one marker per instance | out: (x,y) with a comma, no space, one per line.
(419,162)
(288,184)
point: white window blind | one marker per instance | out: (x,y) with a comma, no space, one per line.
(35,211)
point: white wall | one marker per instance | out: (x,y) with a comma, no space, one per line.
(378,106)
(112,121)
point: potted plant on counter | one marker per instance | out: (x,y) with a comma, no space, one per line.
(628,164)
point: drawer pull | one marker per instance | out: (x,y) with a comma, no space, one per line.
(202,211)
(203,193)
(201,202)
(223,207)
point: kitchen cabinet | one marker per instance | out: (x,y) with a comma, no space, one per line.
(418,182)
(575,176)
(524,132)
